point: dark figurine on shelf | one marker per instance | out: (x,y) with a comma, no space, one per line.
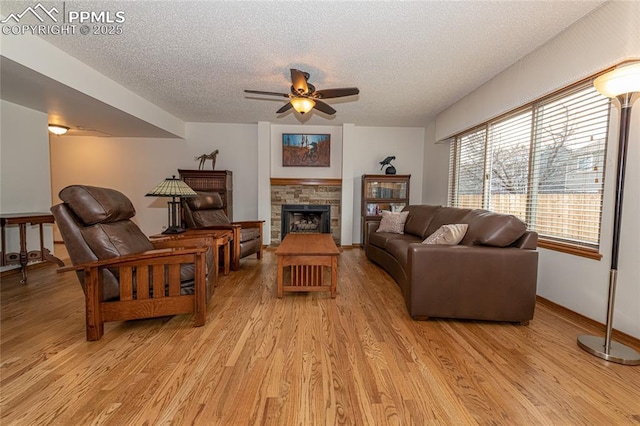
(204,157)
(390,170)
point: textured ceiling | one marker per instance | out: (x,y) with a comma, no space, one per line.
(410,60)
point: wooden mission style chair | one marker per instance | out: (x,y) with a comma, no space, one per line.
(124,275)
(206,210)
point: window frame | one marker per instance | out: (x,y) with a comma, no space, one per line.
(591,251)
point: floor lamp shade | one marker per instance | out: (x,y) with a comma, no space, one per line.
(174,188)
(623,83)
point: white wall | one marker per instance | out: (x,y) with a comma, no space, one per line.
(238,145)
(25,183)
(135,165)
(369,146)
(436,168)
(609,35)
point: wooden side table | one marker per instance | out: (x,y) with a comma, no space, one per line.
(219,238)
(24,256)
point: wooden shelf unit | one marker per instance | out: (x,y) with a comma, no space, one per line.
(382,192)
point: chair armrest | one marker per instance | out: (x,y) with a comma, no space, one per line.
(180,242)
(137,257)
(249,223)
(231,226)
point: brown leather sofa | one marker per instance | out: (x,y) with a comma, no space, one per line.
(490,275)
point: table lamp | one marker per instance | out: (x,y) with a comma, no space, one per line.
(174,188)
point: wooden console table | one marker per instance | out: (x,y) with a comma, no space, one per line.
(24,257)
(307,255)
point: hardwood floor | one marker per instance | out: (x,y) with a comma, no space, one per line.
(304,359)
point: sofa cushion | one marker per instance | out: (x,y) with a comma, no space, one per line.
(492,229)
(380,239)
(393,222)
(449,235)
(445,216)
(419,219)
(399,248)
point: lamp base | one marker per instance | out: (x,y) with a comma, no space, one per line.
(618,352)
(174,230)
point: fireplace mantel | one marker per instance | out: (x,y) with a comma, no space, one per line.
(306,181)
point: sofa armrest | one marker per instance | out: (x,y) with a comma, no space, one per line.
(371,226)
(477,282)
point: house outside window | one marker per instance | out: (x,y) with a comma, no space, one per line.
(543,163)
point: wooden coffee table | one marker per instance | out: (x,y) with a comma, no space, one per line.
(307,255)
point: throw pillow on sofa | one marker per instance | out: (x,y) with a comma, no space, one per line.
(447,235)
(393,222)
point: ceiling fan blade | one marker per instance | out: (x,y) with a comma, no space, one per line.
(286,107)
(299,81)
(258,92)
(336,93)
(321,106)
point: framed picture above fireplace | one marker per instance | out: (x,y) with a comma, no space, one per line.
(306,150)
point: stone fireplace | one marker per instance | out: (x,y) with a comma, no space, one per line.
(297,193)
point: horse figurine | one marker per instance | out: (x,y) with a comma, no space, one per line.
(204,157)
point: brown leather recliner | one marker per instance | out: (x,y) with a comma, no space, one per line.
(124,275)
(206,211)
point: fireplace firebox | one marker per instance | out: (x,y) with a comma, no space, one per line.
(309,218)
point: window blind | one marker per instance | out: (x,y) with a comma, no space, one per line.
(543,163)
(569,146)
(510,144)
(468,188)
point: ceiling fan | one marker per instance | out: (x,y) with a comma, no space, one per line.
(304,96)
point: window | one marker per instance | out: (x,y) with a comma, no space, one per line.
(543,163)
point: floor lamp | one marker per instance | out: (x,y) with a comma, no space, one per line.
(622,83)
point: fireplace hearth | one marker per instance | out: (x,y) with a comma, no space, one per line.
(305,218)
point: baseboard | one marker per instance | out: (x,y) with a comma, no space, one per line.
(616,334)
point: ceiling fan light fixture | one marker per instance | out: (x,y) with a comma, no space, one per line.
(303,105)
(58,129)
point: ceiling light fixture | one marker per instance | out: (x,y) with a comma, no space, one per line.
(302,105)
(58,129)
